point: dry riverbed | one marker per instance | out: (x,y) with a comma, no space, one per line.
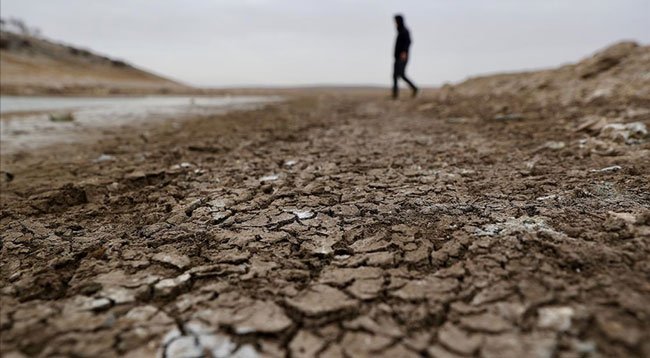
(337,226)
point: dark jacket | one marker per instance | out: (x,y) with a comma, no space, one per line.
(403,41)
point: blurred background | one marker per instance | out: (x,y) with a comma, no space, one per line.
(233,43)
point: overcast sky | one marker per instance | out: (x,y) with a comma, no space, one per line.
(301,42)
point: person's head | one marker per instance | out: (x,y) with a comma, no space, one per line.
(399,21)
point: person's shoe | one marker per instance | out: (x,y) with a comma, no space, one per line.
(415,92)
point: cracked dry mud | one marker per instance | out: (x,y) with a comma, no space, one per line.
(337,226)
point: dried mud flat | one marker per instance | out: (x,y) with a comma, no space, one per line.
(458,224)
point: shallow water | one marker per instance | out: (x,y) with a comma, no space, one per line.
(25,122)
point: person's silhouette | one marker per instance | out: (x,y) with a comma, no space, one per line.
(402,45)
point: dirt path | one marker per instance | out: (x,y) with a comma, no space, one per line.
(332,226)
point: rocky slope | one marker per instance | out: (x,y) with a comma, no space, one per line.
(620,71)
(32,65)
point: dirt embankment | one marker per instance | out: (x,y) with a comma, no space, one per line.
(468,222)
(33,65)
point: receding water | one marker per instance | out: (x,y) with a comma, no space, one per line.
(25,121)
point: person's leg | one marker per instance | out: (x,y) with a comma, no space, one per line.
(411,84)
(413,87)
(396,76)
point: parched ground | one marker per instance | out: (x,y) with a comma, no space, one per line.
(337,226)
(508,216)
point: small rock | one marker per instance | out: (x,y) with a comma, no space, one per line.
(183,165)
(61,117)
(169,286)
(104,158)
(119,295)
(7,177)
(303,214)
(613,168)
(272,177)
(623,132)
(176,260)
(546,197)
(95,304)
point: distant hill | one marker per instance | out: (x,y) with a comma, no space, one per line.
(33,65)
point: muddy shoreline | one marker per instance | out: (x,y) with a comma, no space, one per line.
(86,119)
(334,226)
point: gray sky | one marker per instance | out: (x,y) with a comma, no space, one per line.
(299,42)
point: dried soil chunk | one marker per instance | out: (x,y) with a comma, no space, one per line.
(458,340)
(360,344)
(511,345)
(262,317)
(366,289)
(492,293)
(486,322)
(341,276)
(374,243)
(305,344)
(398,350)
(426,288)
(618,329)
(320,300)
(385,326)
(436,351)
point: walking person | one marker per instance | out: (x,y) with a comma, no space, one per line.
(402,45)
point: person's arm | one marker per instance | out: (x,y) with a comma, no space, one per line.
(404,40)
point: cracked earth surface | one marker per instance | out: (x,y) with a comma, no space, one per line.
(335,226)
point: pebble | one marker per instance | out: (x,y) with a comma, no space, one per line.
(272,177)
(613,168)
(104,158)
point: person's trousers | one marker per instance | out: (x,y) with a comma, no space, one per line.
(399,71)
